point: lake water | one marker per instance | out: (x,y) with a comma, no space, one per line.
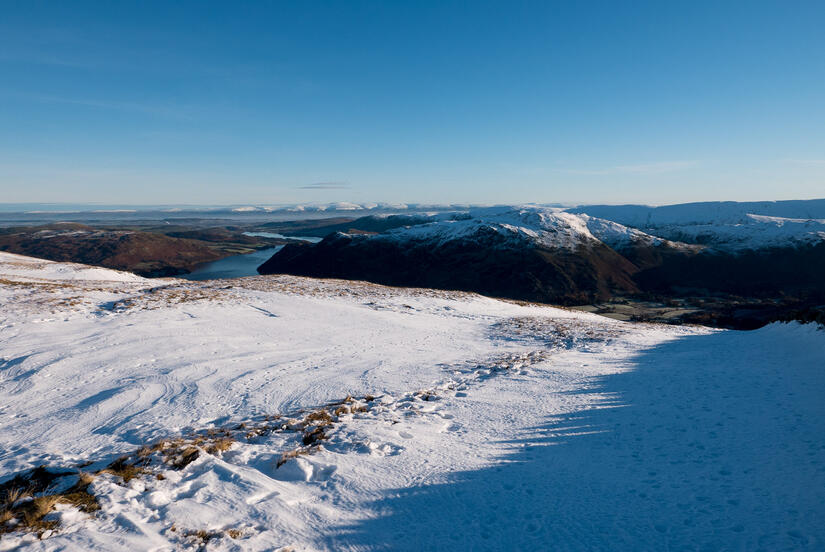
(310,239)
(236,266)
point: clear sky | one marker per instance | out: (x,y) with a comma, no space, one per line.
(270,102)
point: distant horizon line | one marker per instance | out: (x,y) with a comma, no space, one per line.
(335,205)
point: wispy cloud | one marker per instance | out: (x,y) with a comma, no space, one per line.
(176,112)
(50,60)
(325,186)
(805,161)
(641,168)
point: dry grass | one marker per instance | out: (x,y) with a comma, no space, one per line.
(220,445)
(29,514)
(234,533)
(37,508)
(186,457)
(27,509)
(12,495)
(290,454)
(124,468)
(319,418)
(82,500)
(170,294)
(313,435)
(5,515)
(201,537)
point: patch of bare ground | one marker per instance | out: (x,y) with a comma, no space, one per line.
(201,537)
(27,499)
(330,287)
(171,294)
(555,333)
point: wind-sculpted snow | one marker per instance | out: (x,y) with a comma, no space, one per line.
(283,413)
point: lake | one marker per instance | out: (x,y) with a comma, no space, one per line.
(236,266)
(310,239)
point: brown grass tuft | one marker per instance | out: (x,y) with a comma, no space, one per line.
(314,435)
(234,533)
(124,469)
(220,445)
(189,455)
(290,454)
(84,479)
(319,418)
(31,513)
(12,495)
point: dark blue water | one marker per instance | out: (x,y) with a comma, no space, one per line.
(236,266)
(310,239)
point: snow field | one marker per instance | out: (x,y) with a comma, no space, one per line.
(474,424)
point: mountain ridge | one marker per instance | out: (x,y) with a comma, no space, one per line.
(558,256)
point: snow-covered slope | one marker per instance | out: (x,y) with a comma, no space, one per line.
(529,253)
(449,421)
(751,232)
(724,226)
(28,268)
(546,227)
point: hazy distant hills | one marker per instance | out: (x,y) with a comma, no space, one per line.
(170,251)
(708,212)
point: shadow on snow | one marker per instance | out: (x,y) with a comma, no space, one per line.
(700,447)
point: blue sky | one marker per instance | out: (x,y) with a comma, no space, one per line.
(214,103)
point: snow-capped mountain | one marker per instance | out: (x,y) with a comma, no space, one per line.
(551,228)
(557,255)
(729,227)
(527,252)
(752,232)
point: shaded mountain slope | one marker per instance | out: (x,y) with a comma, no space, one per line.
(144,253)
(526,253)
(549,255)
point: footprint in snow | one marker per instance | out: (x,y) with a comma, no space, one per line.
(301,469)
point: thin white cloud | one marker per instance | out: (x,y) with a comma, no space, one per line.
(48,59)
(805,161)
(325,186)
(640,168)
(174,112)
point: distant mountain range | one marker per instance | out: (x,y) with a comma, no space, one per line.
(581,254)
(771,253)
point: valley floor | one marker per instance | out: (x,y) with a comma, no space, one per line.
(298,414)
